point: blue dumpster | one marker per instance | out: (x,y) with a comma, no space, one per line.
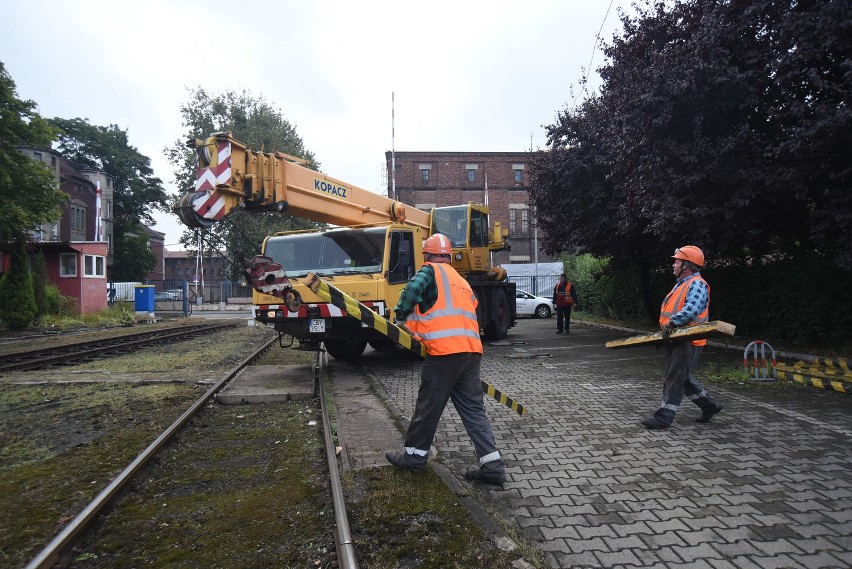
(145,298)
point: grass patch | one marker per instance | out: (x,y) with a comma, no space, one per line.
(61,445)
(402,519)
(245,486)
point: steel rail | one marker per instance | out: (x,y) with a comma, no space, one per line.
(111,345)
(346,558)
(51,553)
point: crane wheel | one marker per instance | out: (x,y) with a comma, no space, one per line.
(501,315)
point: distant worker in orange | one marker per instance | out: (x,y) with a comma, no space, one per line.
(439,306)
(564,297)
(687,304)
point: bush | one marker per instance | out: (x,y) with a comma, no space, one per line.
(800,301)
(17,299)
(54,299)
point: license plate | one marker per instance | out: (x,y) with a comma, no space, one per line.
(316,325)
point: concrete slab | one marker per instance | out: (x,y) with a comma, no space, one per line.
(269,384)
(365,428)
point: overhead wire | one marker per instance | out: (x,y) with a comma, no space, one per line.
(592,56)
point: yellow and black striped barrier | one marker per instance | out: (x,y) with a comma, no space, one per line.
(822,373)
(399,336)
(502,398)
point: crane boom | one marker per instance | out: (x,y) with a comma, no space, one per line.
(231,175)
(371,255)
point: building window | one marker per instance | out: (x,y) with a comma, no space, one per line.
(78,218)
(93,266)
(519,176)
(424,176)
(519,220)
(67,265)
(471,172)
(37,156)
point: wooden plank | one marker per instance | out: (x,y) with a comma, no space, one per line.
(699,332)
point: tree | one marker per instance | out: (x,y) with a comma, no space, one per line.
(136,191)
(697,136)
(29,193)
(136,260)
(256,122)
(17,298)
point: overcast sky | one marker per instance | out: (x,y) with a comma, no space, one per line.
(467,75)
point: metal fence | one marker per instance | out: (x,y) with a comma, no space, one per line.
(178,295)
(542,285)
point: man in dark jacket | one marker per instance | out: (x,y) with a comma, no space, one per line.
(564,297)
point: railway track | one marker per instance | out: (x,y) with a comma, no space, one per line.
(56,552)
(76,352)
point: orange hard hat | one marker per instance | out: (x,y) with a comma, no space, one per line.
(690,253)
(438,245)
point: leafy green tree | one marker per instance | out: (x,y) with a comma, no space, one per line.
(40,283)
(136,191)
(29,193)
(256,122)
(136,260)
(17,299)
(719,123)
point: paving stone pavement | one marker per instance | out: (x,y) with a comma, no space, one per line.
(766,484)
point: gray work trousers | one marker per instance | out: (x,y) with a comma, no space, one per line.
(453,377)
(681,359)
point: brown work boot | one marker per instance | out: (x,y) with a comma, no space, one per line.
(405,461)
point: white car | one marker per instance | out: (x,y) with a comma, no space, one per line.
(527,304)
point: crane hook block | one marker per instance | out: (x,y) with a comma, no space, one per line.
(268,277)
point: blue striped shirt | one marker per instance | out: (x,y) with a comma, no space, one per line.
(697,297)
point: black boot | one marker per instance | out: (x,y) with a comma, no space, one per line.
(707,413)
(405,461)
(654,422)
(491,473)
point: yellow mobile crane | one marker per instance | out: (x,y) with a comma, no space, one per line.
(372,253)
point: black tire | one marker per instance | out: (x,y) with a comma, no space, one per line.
(501,317)
(542,311)
(342,350)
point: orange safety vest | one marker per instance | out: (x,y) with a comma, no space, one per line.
(675,300)
(450,326)
(564,298)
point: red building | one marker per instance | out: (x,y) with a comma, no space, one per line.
(79,246)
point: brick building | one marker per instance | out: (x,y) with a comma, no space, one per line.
(81,220)
(433,179)
(183,266)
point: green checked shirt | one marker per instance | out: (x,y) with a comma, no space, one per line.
(421,290)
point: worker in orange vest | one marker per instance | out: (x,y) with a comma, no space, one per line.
(439,307)
(687,304)
(564,297)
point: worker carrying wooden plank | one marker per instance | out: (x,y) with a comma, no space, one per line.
(685,312)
